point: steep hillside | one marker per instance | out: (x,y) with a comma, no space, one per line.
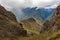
(7,14)
(31,25)
(52,21)
(56,18)
(55,29)
(8,24)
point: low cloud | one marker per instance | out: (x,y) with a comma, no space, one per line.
(28,3)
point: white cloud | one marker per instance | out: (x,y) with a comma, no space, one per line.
(28,3)
(41,3)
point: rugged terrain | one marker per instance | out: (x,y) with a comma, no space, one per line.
(32,25)
(10,29)
(50,30)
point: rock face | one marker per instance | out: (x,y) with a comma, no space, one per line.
(8,24)
(57,19)
(50,24)
(7,14)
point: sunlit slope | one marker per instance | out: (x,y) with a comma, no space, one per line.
(31,25)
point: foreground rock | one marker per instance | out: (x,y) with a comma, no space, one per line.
(8,24)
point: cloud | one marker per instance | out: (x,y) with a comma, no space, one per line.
(28,3)
(41,3)
(16,5)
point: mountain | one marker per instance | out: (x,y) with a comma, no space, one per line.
(51,29)
(40,13)
(52,21)
(32,25)
(8,14)
(57,18)
(9,27)
(56,27)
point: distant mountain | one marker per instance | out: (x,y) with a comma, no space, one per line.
(39,13)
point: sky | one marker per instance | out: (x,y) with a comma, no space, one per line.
(9,4)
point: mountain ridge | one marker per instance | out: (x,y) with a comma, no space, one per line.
(41,13)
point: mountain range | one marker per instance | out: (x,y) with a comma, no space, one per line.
(41,14)
(30,28)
